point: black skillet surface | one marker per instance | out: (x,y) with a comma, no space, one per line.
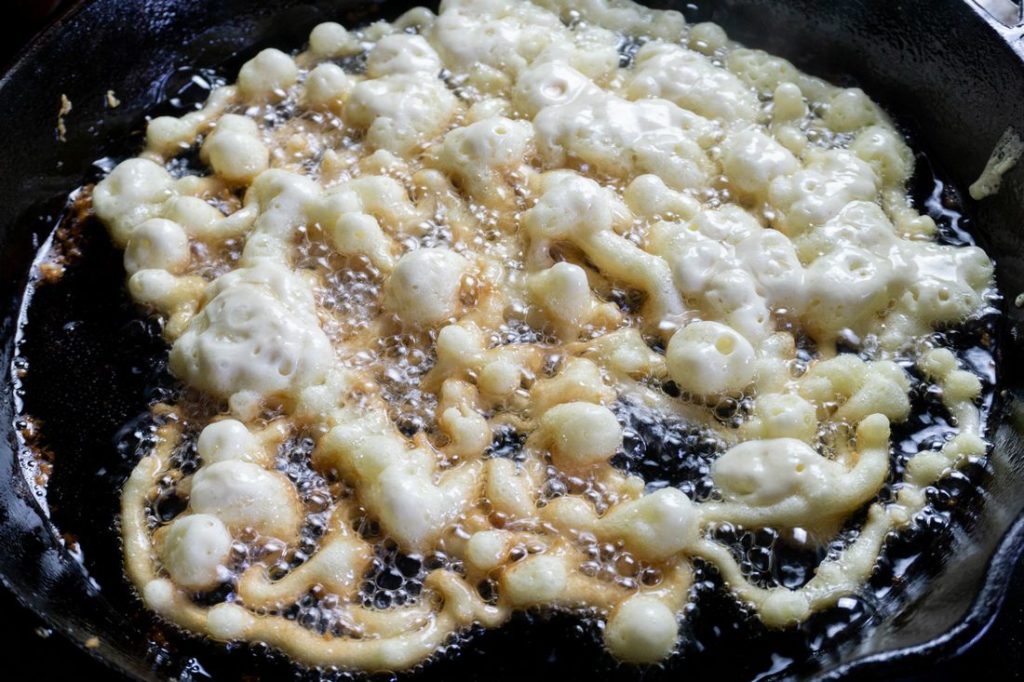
(943,68)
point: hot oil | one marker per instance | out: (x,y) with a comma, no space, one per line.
(348,288)
(402,360)
(86,345)
(662,451)
(666,451)
(89,364)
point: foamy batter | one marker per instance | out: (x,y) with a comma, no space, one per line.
(418,238)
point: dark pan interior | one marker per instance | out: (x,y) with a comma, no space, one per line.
(945,71)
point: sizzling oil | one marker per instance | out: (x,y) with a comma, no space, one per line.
(84,492)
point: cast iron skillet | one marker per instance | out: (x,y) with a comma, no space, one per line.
(951,74)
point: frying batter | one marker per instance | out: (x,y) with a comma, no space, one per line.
(509,218)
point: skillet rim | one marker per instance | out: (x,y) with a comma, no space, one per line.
(967,631)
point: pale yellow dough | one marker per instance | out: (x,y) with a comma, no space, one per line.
(441,241)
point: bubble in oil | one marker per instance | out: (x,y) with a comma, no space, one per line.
(294,461)
(354,64)
(187,87)
(515,330)
(770,557)
(508,443)
(628,47)
(167,505)
(349,287)
(429,234)
(394,578)
(629,301)
(404,360)
(321,612)
(612,563)
(186,164)
(665,451)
